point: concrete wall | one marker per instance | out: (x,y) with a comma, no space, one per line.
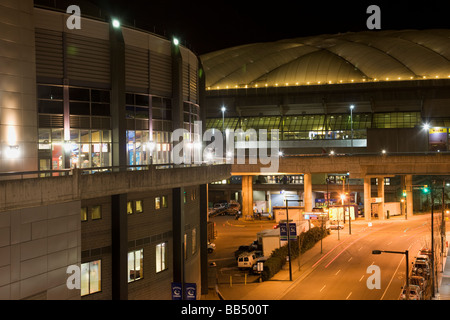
(36,247)
(18,110)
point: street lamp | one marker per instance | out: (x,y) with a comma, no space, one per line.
(407,266)
(351,122)
(223,118)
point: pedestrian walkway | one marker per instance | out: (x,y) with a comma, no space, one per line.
(443,288)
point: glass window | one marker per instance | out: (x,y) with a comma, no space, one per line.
(161,257)
(164,202)
(50,106)
(129,207)
(96,212)
(135,265)
(194,241)
(100,96)
(79,94)
(139,206)
(80,108)
(84,214)
(91,277)
(157,203)
(49,92)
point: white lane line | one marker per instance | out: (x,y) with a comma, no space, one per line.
(361,278)
(348,296)
(322,288)
(337,272)
(349,259)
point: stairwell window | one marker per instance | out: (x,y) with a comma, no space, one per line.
(161,257)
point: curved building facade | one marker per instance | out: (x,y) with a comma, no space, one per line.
(100,99)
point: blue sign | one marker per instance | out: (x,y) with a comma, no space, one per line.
(284,231)
(177,291)
(190,291)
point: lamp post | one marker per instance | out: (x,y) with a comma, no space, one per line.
(351,122)
(223,118)
(288,236)
(407,265)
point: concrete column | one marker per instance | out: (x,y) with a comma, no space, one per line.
(178,225)
(204,237)
(367,202)
(409,195)
(119,139)
(247,195)
(380,189)
(307,185)
(119,246)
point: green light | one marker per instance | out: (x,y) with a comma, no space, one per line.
(425,189)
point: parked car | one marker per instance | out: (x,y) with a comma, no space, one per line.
(421,268)
(419,281)
(211,247)
(414,293)
(423,257)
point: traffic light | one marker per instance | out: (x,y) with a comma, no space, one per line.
(404,193)
(425,189)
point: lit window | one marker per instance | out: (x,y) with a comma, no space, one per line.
(129,207)
(91,277)
(84,214)
(161,254)
(164,202)
(139,206)
(96,212)
(194,241)
(157,203)
(135,265)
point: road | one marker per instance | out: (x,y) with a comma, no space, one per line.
(342,273)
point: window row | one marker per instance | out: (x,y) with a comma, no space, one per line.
(320,122)
(91,272)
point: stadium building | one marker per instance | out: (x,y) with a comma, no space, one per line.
(372,92)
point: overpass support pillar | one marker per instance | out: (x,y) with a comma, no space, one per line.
(380,188)
(409,195)
(367,202)
(247,196)
(307,184)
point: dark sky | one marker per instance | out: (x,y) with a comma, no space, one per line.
(206,26)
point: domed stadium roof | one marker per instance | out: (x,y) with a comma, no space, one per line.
(330,59)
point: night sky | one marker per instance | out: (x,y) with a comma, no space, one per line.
(205,26)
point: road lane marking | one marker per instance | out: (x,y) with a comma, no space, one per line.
(322,288)
(349,259)
(348,296)
(337,272)
(361,278)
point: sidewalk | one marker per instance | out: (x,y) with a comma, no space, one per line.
(279,285)
(443,289)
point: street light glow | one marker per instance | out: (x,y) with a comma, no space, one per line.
(116,23)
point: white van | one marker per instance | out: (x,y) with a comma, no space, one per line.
(246,260)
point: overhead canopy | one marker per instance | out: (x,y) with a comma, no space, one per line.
(330,59)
